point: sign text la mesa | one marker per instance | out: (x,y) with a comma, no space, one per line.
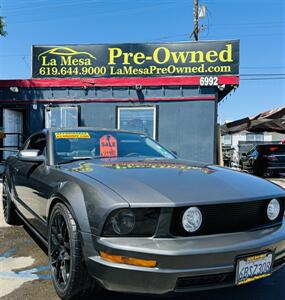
(66,61)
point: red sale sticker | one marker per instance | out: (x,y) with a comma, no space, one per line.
(108,146)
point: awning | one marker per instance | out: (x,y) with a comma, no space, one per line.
(269,121)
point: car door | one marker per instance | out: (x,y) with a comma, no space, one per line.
(28,181)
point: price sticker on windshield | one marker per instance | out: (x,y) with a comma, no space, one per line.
(72,135)
(108,146)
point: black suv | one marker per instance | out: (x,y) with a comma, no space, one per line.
(267,159)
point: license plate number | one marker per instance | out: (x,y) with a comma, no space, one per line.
(253,267)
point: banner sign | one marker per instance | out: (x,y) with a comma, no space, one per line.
(136,60)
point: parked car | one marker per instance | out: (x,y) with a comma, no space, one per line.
(267,159)
(118,210)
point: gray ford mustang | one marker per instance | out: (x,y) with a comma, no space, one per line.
(117,210)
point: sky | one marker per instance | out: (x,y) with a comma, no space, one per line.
(258,24)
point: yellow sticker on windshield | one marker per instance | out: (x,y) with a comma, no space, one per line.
(72,135)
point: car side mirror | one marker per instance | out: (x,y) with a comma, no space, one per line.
(31,156)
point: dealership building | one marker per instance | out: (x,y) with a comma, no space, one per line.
(169,91)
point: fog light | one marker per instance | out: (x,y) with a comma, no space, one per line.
(128,260)
(192,219)
(273,209)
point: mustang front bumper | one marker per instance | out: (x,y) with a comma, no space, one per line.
(184,264)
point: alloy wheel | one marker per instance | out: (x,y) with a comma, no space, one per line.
(60,251)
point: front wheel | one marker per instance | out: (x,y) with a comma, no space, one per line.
(69,274)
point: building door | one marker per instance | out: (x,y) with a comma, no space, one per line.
(13,128)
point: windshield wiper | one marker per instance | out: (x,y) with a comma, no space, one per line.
(98,157)
(74,159)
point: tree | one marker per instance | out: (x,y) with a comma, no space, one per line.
(2,26)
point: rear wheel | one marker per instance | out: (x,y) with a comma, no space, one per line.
(69,274)
(9,209)
(274,173)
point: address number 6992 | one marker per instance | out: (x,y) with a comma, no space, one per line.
(208,81)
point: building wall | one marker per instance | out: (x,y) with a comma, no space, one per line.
(278,136)
(185,127)
(242,137)
(186,115)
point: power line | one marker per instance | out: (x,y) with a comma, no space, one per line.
(104,12)
(47,8)
(249,24)
(263,74)
(170,37)
(265,78)
(265,67)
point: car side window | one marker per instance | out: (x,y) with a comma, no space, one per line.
(37,142)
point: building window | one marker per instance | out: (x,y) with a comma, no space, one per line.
(227,139)
(141,119)
(61,117)
(254,137)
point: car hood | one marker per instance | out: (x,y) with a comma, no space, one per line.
(155,182)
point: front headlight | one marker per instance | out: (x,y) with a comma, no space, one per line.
(123,222)
(192,219)
(273,209)
(140,222)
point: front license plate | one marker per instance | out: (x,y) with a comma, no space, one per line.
(253,267)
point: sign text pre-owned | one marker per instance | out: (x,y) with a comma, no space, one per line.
(137,60)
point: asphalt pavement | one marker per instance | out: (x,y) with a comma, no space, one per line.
(24,273)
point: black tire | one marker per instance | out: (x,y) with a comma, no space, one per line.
(275,174)
(9,209)
(69,274)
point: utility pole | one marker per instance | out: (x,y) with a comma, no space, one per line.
(196,28)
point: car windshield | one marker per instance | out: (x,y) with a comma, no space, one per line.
(76,145)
